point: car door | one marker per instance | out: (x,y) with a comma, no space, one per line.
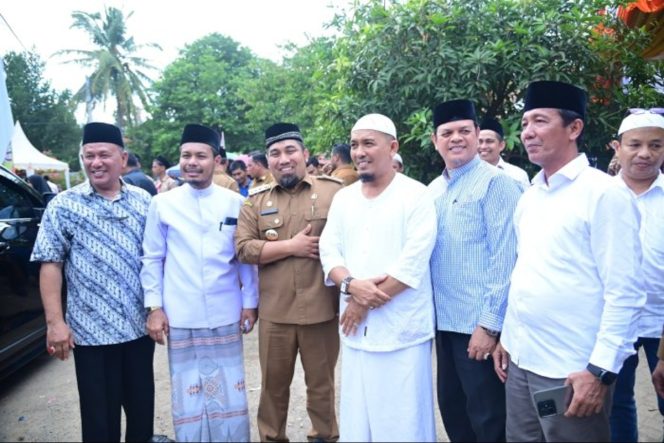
(22,325)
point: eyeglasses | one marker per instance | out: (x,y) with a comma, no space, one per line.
(637,111)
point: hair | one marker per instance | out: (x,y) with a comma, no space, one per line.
(313,161)
(568,118)
(237,164)
(132,160)
(163,161)
(46,177)
(343,151)
(259,157)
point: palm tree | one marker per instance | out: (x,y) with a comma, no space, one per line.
(117,70)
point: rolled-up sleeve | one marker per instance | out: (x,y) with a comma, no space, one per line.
(617,250)
(154,253)
(248,243)
(413,262)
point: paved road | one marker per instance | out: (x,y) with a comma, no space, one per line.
(40,403)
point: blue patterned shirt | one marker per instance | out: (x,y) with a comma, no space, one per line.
(99,241)
(475,247)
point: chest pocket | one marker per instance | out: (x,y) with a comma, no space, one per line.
(467,219)
(273,222)
(317,219)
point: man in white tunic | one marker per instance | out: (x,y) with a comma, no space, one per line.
(199,295)
(641,154)
(577,287)
(376,247)
(492,144)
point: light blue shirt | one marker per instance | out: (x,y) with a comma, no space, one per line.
(475,248)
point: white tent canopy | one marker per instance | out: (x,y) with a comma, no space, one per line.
(26,156)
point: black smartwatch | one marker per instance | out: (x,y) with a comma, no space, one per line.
(491,332)
(345,285)
(604,376)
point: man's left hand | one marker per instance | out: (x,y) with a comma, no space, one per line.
(352,317)
(248,320)
(589,394)
(658,378)
(481,344)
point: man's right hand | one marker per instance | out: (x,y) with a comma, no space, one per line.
(158,325)
(501,361)
(658,378)
(59,340)
(305,245)
(367,294)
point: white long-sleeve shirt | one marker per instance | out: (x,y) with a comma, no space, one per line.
(577,287)
(189,263)
(515,172)
(393,234)
(651,208)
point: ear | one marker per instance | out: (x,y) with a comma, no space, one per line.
(575,128)
(433,140)
(501,146)
(217,160)
(394,147)
(124,157)
(305,151)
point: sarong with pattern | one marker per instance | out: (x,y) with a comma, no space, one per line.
(207,384)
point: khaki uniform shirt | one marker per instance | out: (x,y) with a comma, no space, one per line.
(222,179)
(346,173)
(262,180)
(292,290)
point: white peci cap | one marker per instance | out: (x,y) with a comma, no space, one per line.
(398,158)
(376,122)
(641,120)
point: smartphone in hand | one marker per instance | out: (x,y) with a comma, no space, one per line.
(553,401)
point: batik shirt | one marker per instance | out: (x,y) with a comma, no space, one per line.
(99,242)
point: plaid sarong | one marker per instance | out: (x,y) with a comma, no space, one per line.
(207,384)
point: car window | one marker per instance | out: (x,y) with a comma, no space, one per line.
(14,203)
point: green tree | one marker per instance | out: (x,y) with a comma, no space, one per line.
(117,69)
(201,86)
(45,116)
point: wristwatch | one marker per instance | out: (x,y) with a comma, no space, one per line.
(345,285)
(491,332)
(152,308)
(606,377)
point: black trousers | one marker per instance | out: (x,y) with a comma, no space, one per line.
(111,378)
(471,398)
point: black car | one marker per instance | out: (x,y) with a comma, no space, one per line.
(22,323)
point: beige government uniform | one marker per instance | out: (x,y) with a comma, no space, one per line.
(346,173)
(222,179)
(296,309)
(262,180)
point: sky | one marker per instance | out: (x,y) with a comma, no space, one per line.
(260,25)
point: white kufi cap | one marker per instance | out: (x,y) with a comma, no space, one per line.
(376,122)
(398,158)
(643,120)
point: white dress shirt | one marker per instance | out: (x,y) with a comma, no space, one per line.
(651,208)
(391,234)
(577,287)
(189,263)
(515,172)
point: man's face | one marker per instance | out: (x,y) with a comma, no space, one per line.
(322,160)
(398,167)
(103,163)
(334,160)
(372,153)
(456,142)
(252,169)
(240,176)
(490,146)
(545,137)
(287,160)
(641,153)
(197,163)
(157,169)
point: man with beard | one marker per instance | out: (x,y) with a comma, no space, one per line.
(376,247)
(279,228)
(199,295)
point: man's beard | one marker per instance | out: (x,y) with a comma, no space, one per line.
(364,178)
(289,181)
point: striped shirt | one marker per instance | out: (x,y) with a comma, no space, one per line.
(475,248)
(99,241)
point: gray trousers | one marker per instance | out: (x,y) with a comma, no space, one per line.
(524,424)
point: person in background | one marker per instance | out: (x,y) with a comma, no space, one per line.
(93,232)
(313,167)
(258,170)
(162,181)
(640,152)
(397,163)
(133,175)
(342,163)
(53,186)
(492,144)
(221,177)
(239,172)
(39,184)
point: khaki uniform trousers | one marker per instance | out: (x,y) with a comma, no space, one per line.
(278,345)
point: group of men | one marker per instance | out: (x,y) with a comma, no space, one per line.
(521,288)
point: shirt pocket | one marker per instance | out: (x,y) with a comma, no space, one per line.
(317,218)
(466,220)
(272,223)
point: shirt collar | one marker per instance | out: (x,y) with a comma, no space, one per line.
(88,189)
(308,179)
(501,163)
(452,175)
(567,173)
(199,193)
(658,183)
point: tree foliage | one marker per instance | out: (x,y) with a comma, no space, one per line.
(117,69)
(44,114)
